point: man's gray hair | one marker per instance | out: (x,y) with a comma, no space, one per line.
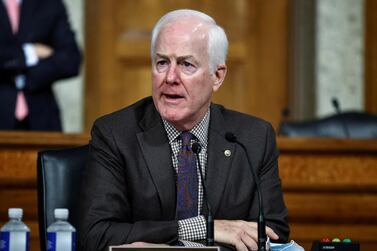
(217,40)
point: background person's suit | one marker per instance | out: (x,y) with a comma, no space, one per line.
(41,21)
(129,189)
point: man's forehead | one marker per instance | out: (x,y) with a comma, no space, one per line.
(181,33)
(186,25)
(180,47)
(182,38)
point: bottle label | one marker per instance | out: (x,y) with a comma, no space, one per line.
(14,241)
(61,241)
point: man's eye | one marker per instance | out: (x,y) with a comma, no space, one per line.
(187,64)
(161,65)
(188,68)
(161,62)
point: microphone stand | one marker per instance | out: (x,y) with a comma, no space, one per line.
(262,237)
(336,105)
(196,148)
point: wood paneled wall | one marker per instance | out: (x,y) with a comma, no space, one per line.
(118,64)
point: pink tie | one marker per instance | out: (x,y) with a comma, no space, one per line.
(21,106)
(13,8)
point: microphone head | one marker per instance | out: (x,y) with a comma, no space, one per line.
(196,148)
(285,112)
(230,137)
(335,102)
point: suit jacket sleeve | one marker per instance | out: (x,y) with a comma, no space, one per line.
(50,27)
(12,59)
(65,61)
(275,211)
(107,214)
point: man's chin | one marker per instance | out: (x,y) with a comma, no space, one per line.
(172,119)
(175,120)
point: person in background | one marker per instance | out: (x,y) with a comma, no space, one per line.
(37,48)
(142,183)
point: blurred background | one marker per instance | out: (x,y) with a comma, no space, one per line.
(288,61)
(284,54)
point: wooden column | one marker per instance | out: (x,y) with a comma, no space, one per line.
(370,56)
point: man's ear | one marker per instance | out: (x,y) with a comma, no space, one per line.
(219,76)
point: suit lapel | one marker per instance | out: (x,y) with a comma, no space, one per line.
(218,163)
(26,14)
(27,11)
(156,150)
(4,20)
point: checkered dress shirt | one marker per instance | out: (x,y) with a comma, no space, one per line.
(191,229)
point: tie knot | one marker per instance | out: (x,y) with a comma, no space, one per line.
(186,137)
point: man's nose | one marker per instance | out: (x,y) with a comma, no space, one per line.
(172,74)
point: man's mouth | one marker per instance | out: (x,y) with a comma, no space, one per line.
(173,96)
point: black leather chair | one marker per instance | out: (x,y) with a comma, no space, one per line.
(59,174)
(342,125)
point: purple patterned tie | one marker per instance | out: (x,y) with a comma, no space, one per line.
(187,180)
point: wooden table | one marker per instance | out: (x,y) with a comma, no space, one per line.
(330,188)
(330,185)
(18,173)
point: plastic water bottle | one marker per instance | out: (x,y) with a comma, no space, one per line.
(14,235)
(61,236)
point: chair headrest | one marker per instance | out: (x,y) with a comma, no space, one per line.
(343,125)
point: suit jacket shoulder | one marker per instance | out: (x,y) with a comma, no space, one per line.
(132,119)
(241,124)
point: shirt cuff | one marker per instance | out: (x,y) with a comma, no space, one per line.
(192,229)
(191,244)
(30,54)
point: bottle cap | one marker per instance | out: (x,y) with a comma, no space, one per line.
(61,213)
(15,213)
(325,239)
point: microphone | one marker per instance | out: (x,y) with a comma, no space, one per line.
(285,114)
(336,105)
(196,148)
(262,237)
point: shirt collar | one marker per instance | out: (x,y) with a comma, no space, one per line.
(200,131)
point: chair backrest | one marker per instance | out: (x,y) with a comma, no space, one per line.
(343,125)
(59,174)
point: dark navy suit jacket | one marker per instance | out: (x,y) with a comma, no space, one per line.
(129,191)
(46,22)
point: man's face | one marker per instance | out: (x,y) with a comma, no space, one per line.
(182,83)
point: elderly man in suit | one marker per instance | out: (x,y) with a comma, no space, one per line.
(37,48)
(141,185)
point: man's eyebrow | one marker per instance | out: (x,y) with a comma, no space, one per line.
(161,56)
(186,57)
(178,58)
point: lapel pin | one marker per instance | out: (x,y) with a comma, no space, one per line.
(227,153)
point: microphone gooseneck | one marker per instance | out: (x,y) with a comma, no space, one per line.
(262,237)
(196,148)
